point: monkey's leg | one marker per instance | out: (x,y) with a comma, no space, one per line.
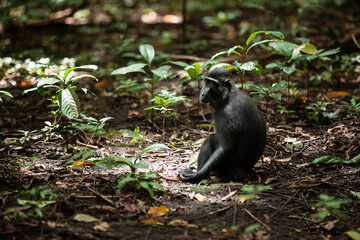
(209,146)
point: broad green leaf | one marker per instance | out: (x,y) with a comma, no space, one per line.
(30,90)
(353,235)
(221,65)
(137,67)
(64,73)
(252,227)
(84,76)
(279,65)
(309,49)
(47,81)
(157,185)
(179,63)
(329,52)
(142,164)
(262,42)
(284,48)
(148,52)
(153,147)
(69,103)
(122,182)
(252,66)
(146,186)
(274,33)
(91,67)
(163,71)
(290,69)
(6,93)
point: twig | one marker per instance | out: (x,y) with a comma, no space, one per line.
(102,196)
(256,219)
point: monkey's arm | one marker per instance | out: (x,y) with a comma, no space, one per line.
(216,157)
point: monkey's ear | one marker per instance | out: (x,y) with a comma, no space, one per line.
(227,83)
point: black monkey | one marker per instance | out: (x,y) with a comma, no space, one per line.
(240,135)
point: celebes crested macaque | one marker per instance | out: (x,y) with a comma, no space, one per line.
(240,136)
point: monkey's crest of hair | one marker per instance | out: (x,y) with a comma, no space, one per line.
(221,74)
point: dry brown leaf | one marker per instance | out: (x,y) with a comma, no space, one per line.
(80,217)
(181,223)
(157,211)
(282,160)
(103,226)
(201,198)
(337,94)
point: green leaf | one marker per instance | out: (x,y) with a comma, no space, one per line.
(284,48)
(274,33)
(157,185)
(47,81)
(221,65)
(148,52)
(289,70)
(163,71)
(228,52)
(69,103)
(122,182)
(329,52)
(179,63)
(153,147)
(309,49)
(84,76)
(91,67)
(30,90)
(6,93)
(63,74)
(261,42)
(137,67)
(39,204)
(252,227)
(353,235)
(142,164)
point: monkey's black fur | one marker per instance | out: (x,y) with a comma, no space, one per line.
(240,135)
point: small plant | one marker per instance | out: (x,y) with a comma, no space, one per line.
(6,93)
(327,206)
(66,99)
(252,191)
(137,136)
(90,124)
(263,92)
(154,76)
(163,101)
(142,180)
(317,109)
(252,66)
(33,195)
(283,110)
(353,108)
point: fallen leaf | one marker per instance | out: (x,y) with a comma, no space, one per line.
(100,84)
(330,225)
(201,198)
(157,211)
(102,226)
(337,94)
(84,218)
(181,223)
(282,159)
(84,163)
(229,195)
(152,222)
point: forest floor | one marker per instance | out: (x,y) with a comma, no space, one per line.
(88,204)
(196,211)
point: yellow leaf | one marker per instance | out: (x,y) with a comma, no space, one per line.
(157,211)
(84,163)
(152,222)
(309,49)
(353,235)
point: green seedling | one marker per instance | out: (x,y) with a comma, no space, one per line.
(353,109)
(137,136)
(317,109)
(154,76)
(252,191)
(6,93)
(327,206)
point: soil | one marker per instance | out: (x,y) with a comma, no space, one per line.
(89,205)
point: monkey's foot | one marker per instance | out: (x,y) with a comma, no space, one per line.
(188,176)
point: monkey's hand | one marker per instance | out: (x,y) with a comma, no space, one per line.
(188,176)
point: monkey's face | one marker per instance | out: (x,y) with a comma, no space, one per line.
(214,90)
